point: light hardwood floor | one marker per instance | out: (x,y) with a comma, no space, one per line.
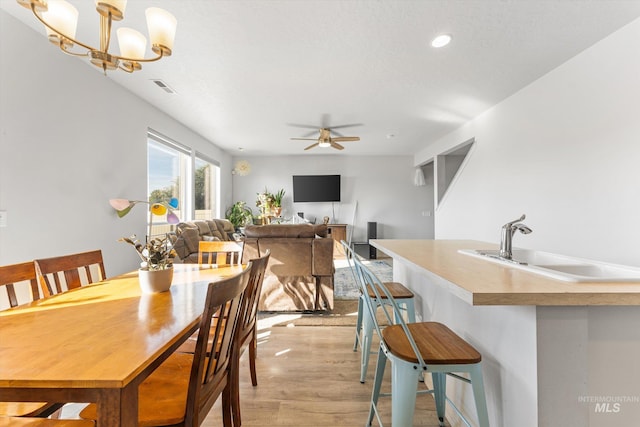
(309,376)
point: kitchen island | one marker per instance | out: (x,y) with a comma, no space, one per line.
(555,353)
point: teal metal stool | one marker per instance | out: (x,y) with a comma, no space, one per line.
(414,349)
(364,323)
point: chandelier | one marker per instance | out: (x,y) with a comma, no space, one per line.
(60,19)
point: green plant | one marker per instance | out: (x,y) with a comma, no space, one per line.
(277,198)
(156,253)
(239,214)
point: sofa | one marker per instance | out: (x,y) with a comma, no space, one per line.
(299,275)
(188,235)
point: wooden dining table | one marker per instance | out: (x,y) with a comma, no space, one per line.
(99,342)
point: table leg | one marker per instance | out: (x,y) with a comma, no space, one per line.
(118,407)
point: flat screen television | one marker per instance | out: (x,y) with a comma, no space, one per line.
(316,188)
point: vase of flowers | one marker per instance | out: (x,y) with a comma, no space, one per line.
(156,253)
(263,202)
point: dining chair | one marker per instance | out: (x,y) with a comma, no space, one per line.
(364,325)
(16,273)
(415,349)
(42,422)
(247,332)
(222,252)
(10,275)
(72,271)
(182,390)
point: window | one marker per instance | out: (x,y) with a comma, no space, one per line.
(206,178)
(170,167)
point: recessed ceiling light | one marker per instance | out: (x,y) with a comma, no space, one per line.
(441,41)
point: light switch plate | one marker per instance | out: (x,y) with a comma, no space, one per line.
(3,218)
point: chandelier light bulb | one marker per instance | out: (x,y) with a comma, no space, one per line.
(132,43)
(162,29)
(62,16)
(60,19)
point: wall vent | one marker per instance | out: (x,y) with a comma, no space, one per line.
(162,85)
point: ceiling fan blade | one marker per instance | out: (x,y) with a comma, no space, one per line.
(304,139)
(312,145)
(346,138)
(346,126)
(336,145)
(296,125)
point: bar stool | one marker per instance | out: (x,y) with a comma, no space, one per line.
(414,349)
(364,323)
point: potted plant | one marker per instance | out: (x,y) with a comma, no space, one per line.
(239,214)
(277,202)
(156,253)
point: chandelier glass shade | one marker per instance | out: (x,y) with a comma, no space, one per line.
(60,19)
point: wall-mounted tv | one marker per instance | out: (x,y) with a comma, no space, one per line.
(316,188)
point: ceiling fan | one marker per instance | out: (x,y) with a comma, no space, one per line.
(326,140)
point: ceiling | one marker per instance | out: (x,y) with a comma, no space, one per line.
(245,71)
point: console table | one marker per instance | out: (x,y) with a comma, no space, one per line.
(337,232)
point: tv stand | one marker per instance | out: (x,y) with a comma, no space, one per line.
(337,232)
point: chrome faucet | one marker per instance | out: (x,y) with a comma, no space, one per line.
(508,230)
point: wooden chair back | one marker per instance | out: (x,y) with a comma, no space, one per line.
(210,373)
(16,273)
(51,271)
(10,275)
(249,310)
(219,252)
(247,333)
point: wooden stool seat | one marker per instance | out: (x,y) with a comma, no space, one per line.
(397,290)
(42,422)
(437,344)
(416,349)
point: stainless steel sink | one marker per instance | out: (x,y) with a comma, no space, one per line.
(561,267)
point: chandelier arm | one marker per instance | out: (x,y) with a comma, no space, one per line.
(105,32)
(123,58)
(64,49)
(65,42)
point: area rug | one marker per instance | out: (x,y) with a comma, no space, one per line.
(345,304)
(344,284)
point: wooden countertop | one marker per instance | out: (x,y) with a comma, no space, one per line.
(481,282)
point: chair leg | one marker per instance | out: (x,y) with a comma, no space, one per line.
(253,353)
(404,386)
(367,336)
(411,310)
(377,383)
(227,410)
(477,385)
(358,322)
(234,392)
(440,394)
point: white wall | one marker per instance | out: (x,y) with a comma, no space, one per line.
(382,186)
(71,139)
(566,151)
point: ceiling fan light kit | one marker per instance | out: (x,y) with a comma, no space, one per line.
(60,19)
(325,140)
